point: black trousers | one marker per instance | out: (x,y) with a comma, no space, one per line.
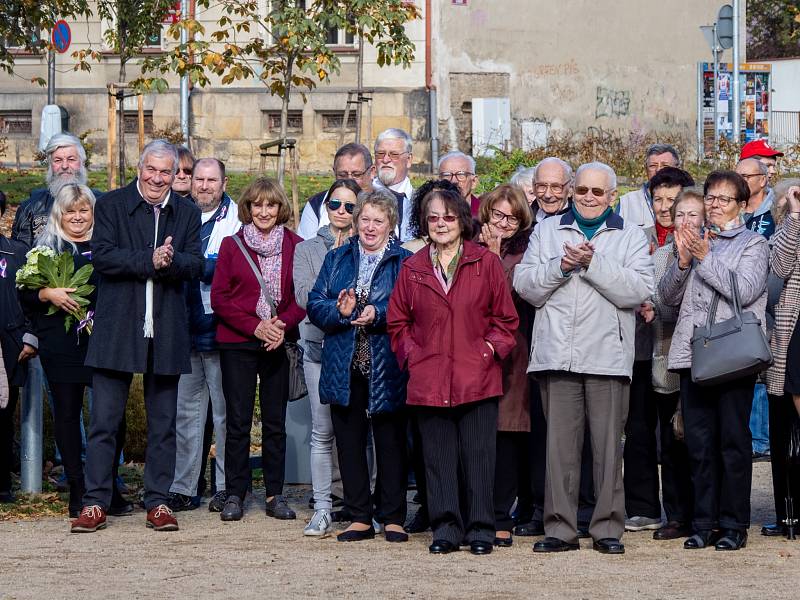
(676,476)
(7,415)
(717,430)
(781,415)
(640,453)
(538,464)
(241,370)
(208,432)
(418,464)
(351,425)
(460,439)
(512,478)
(108,412)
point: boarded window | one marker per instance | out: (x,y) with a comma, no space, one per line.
(16,122)
(332,121)
(132,121)
(272,121)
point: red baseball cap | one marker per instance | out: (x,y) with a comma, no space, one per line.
(758,148)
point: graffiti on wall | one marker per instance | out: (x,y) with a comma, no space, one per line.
(612,103)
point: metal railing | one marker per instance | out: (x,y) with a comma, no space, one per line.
(785,128)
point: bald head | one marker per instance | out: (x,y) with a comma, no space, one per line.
(755,173)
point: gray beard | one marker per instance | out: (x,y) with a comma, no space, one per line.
(387,177)
(56,182)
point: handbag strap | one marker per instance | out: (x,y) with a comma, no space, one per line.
(736,303)
(256,272)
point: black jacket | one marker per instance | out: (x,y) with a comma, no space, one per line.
(13,324)
(122,254)
(32,215)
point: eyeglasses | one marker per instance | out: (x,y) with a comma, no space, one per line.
(432,219)
(556,188)
(659,165)
(335,205)
(722,200)
(747,176)
(500,216)
(459,175)
(394,156)
(349,175)
(582,190)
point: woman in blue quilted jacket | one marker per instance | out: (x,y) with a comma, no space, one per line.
(360,376)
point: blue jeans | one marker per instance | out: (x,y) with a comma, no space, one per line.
(759,420)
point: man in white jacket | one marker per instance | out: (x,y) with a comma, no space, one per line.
(586,272)
(636,207)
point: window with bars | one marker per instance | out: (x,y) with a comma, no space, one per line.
(19,122)
(271,121)
(332,120)
(132,121)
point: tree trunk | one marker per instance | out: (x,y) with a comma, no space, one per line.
(360,86)
(121,99)
(287,83)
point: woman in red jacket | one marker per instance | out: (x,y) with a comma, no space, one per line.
(452,321)
(253,325)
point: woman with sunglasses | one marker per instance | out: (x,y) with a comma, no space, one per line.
(716,417)
(182,184)
(505,228)
(452,322)
(340,201)
(360,378)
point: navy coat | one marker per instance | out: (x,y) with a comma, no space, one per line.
(387,385)
(122,254)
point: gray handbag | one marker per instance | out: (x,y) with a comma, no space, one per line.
(294,351)
(730,349)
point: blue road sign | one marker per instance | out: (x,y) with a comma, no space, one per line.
(62,36)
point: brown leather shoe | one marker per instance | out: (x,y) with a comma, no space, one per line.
(90,520)
(160,518)
(672,531)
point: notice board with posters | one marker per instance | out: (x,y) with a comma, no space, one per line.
(754,81)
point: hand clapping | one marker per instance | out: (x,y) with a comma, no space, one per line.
(577,256)
(366,317)
(162,256)
(492,238)
(346,302)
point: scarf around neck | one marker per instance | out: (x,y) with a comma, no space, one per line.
(268,248)
(734,223)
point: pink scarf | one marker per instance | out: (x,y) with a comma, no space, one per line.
(268,247)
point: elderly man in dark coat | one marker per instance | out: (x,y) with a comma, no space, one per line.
(145,245)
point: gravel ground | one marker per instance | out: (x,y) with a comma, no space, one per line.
(262,557)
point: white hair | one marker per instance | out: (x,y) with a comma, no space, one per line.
(69,195)
(457,154)
(161,148)
(762,168)
(565,167)
(598,166)
(64,140)
(393,133)
(522,176)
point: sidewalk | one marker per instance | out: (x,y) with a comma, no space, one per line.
(262,558)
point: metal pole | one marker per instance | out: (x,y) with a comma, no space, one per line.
(737,122)
(716,90)
(700,115)
(434,127)
(51,77)
(185,80)
(32,430)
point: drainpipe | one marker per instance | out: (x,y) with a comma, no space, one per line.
(433,119)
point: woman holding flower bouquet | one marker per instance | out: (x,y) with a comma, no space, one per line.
(61,312)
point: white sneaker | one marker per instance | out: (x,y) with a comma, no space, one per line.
(320,524)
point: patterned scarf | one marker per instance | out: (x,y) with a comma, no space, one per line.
(735,223)
(268,247)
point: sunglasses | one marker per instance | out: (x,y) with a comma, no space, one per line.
(185,171)
(446,218)
(335,205)
(582,190)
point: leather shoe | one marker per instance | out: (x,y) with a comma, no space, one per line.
(701,539)
(609,546)
(481,547)
(583,532)
(504,542)
(354,535)
(395,536)
(773,530)
(232,511)
(529,529)
(672,531)
(732,539)
(442,547)
(419,523)
(120,509)
(552,544)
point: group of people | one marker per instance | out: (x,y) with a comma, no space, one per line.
(512,352)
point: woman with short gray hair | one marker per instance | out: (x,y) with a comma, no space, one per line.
(360,378)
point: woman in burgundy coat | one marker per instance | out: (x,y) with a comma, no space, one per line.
(253,326)
(452,322)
